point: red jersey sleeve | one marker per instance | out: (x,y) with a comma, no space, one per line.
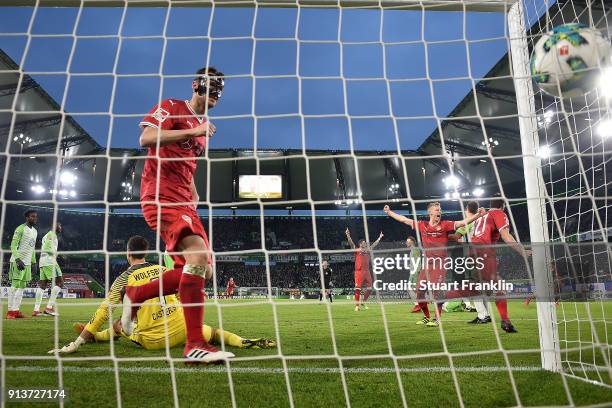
(160,117)
(500,219)
(448,226)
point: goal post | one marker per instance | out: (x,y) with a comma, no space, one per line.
(534,187)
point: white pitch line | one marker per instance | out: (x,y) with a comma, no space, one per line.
(299,370)
(270,370)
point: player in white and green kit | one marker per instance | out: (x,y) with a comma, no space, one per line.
(23,259)
(50,272)
(415,254)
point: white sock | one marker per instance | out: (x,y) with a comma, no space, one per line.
(481,308)
(54,291)
(18,298)
(467,303)
(39,296)
(11,298)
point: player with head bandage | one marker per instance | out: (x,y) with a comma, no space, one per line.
(176,133)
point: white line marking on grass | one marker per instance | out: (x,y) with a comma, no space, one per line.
(272,370)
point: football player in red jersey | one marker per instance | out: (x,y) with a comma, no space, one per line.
(363,276)
(230,288)
(175,132)
(487,231)
(434,236)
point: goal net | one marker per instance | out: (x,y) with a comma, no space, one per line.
(330,111)
(574,151)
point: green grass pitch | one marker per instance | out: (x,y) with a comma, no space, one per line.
(313,373)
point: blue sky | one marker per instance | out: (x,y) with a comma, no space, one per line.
(261,51)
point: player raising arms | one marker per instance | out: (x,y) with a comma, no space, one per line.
(23,259)
(178,129)
(434,236)
(363,276)
(160,320)
(50,272)
(487,231)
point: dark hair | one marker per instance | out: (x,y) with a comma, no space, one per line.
(360,241)
(212,71)
(28,212)
(472,207)
(496,203)
(137,246)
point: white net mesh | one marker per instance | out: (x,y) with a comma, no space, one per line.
(398,103)
(574,154)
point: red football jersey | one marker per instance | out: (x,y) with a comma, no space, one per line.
(231,285)
(362,261)
(487,227)
(176,175)
(434,236)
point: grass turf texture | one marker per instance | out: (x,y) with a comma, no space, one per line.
(304,330)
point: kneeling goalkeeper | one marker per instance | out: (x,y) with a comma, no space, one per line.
(159,320)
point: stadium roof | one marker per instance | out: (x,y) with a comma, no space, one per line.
(31,133)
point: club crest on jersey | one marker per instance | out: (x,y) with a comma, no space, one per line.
(187,219)
(161,114)
(187,144)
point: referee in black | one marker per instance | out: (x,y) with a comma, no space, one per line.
(327,282)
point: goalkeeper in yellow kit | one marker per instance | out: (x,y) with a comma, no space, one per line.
(159,320)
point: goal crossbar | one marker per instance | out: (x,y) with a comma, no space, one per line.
(434,5)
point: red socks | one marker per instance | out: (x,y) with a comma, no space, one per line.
(502,308)
(439,304)
(357,295)
(425,309)
(366,295)
(190,291)
(171,278)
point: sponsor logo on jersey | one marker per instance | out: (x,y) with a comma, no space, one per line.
(161,114)
(187,219)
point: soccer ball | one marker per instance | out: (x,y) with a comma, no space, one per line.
(568,59)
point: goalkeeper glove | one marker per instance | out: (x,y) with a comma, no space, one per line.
(70,348)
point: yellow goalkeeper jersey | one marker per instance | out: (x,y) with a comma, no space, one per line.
(150,318)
